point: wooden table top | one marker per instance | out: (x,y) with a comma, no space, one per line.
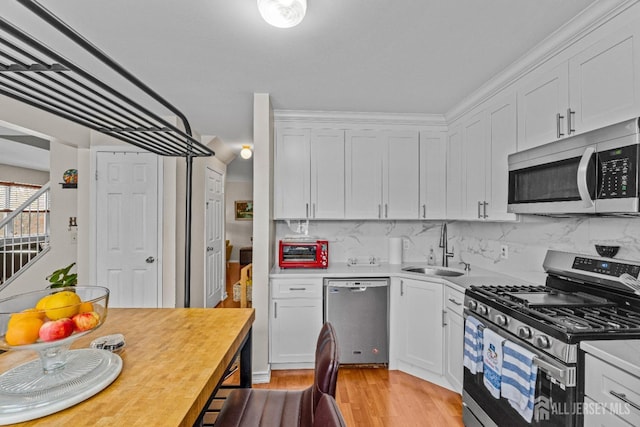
(173,360)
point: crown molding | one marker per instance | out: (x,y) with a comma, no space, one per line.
(358,118)
(582,24)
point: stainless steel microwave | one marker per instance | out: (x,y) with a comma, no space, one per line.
(595,172)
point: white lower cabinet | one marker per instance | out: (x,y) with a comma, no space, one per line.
(295,321)
(418,334)
(617,393)
(453,337)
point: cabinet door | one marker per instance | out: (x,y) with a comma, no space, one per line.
(327,174)
(540,99)
(501,141)
(363,169)
(292,173)
(454,343)
(433,175)
(294,329)
(454,173)
(401,170)
(421,324)
(604,81)
(474,167)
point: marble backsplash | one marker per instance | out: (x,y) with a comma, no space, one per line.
(477,243)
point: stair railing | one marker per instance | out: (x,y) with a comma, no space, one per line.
(24,236)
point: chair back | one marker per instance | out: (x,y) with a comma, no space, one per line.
(327,413)
(326,365)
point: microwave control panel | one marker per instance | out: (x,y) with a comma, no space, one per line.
(618,172)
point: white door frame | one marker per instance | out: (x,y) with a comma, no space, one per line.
(93,203)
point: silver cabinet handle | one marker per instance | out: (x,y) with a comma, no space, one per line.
(623,397)
(558,126)
(306,214)
(150,260)
(275,309)
(479,205)
(379,211)
(444,318)
(313,210)
(297,289)
(424,211)
(401,287)
(386,211)
(485,204)
(453,300)
(570,128)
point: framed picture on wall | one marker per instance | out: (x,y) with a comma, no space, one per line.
(244,210)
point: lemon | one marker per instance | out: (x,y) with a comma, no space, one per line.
(40,304)
(62,304)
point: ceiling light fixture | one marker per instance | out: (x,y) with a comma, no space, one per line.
(283,13)
(246,152)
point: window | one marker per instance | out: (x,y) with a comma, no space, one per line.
(33,220)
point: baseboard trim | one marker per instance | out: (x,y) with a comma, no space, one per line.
(261,377)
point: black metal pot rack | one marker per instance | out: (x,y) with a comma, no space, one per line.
(33,73)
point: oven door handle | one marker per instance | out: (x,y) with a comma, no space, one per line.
(583,187)
(566,376)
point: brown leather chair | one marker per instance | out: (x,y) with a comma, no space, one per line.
(281,408)
(328,414)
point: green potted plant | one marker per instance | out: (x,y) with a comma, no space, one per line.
(62,277)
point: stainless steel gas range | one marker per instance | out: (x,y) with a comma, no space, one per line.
(584,298)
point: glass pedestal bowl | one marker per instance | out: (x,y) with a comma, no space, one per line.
(48,322)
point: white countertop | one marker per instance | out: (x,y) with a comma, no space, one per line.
(624,354)
(476,276)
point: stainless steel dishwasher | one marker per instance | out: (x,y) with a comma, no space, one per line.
(358,309)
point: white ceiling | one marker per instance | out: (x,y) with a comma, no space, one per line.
(208,57)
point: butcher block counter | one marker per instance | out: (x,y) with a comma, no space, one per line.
(172,363)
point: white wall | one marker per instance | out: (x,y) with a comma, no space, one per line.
(238,232)
(23,175)
(263,231)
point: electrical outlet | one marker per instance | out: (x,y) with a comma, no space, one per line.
(405,244)
(504,251)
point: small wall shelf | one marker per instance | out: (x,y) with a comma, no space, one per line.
(69,184)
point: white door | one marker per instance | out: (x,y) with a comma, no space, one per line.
(215,250)
(127,228)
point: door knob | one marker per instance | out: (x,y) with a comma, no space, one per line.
(150,260)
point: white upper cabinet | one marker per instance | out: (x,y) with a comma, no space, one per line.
(596,87)
(309,174)
(454,173)
(401,175)
(474,166)
(292,173)
(604,81)
(501,141)
(433,175)
(382,175)
(542,106)
(363,174)
(327,174)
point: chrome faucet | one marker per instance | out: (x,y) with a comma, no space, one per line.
(444,245)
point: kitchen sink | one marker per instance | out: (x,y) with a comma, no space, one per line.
(434,271)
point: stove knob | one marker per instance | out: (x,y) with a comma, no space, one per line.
(524,332)
(472,305)
(501,320)
(541,341)
(482,310)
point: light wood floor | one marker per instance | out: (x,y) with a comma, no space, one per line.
(375,397)
(372,397)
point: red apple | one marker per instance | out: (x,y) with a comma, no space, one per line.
(56,329)
(85,321)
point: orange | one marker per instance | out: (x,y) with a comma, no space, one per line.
(85,307)
(62,304)
(29,312)
(23,331)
